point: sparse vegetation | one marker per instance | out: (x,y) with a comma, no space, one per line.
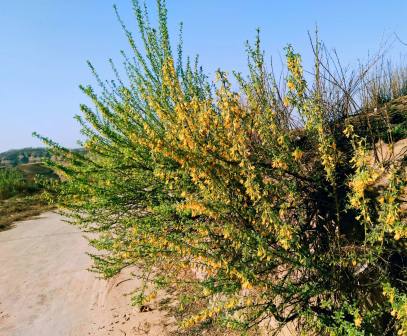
(11,183)
(20,192)
(261,203)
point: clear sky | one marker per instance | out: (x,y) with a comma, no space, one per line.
(44,45)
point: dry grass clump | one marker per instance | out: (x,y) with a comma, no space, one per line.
(19,208)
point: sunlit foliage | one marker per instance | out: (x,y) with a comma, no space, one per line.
(264,202)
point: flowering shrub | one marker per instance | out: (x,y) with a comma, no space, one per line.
(271,196)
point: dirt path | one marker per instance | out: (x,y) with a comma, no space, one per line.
(46,290)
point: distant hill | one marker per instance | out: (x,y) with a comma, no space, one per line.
(15,157)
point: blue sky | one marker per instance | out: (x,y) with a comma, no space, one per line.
(44,45)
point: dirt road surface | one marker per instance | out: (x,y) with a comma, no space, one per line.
(46,290)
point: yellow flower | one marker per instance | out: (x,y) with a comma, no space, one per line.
(279,164)
(249,301)
(390,219)
(231,303)
(246,284)
(358,321)
(348,131)
(206,291)
(297,154)
(286,101)
(285,244)
(291,85)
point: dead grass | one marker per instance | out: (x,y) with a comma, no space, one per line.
(19,208)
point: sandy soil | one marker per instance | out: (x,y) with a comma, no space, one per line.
(45,288)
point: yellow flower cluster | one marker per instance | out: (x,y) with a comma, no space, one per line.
(195,207)
(290,85)
(218,306)
(390,213)
(297,154)
(399,308)
(244,281)
(285,235)
(202,316)
(358,321)
(363,179)
(279,163)
(295,68)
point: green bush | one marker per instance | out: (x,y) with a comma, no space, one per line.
(269,194)
(24,179)
(12,182)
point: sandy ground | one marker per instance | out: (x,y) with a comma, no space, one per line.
(45,288)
